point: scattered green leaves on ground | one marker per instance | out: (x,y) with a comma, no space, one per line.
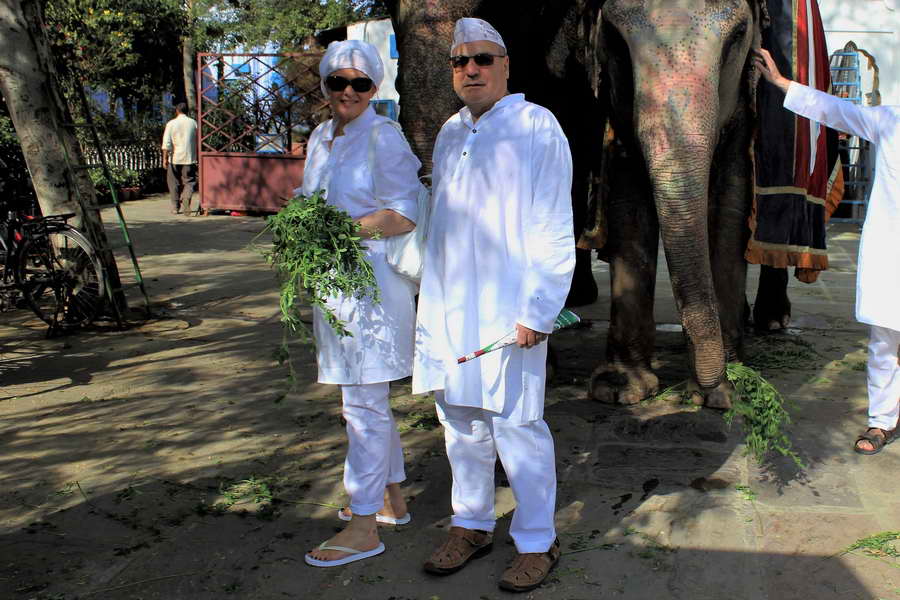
(251,490)
(764,417)
(879,545)
(771,352)
(745,492)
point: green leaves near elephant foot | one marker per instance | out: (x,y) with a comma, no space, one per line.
(763,412)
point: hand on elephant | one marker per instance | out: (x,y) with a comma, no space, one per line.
(528,338)
(766,65)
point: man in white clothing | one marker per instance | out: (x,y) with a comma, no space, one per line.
(179,157)
(878,267)
(499,258)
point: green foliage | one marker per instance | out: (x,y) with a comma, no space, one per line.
(288,24)
(121,178)
(763,412)
(879,545)
(131,48)
(770,352)
(746,493)
(316,249)
(15,182)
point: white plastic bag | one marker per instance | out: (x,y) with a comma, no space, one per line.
(406,252)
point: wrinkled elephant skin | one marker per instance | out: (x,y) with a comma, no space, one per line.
(677,80)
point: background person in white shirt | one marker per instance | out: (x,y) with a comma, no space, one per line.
(499,257)
(382,197)
(179,156)
(878,267)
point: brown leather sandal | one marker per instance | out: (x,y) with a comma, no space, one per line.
(878,441)
(461,546)
(529,570)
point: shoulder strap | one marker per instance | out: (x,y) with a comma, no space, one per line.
(373,138)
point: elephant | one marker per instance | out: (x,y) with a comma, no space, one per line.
(673,80)
(679,88)
(551,62)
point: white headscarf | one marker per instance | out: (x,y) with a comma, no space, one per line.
(351,54)
(469,29)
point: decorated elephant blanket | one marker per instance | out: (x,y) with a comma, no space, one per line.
(799,180)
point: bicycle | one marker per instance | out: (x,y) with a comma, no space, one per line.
(53,266)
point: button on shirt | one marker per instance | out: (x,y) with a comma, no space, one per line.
(180,140)
(500,251)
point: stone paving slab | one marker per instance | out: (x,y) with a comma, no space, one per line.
(166,462)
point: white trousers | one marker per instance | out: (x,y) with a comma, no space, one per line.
(374,454)
(883,375)
(475,438)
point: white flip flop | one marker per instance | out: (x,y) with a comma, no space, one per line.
(354,555)
(380,518)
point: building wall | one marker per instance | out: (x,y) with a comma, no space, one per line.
(874,26)
(378,33)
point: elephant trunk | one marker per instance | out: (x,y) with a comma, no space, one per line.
(677,132)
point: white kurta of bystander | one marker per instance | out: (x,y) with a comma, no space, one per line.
(500,251)
(878,268)
(382,344)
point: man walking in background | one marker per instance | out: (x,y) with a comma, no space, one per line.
(179,151)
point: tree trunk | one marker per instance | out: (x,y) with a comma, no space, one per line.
(36,107)
(188,60)
(187,64)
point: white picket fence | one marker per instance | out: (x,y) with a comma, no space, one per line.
(140,157)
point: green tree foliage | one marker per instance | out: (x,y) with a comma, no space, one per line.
(15,182)
(285,23)
(130,48)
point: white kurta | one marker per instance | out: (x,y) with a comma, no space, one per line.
(500,251)
(382,344)
(878,268)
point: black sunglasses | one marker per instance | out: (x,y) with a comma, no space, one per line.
(482,59)
(336,83)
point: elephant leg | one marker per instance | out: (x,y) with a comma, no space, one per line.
(731,198)
(730,202)
(584,288)
(772,308)
(626,377)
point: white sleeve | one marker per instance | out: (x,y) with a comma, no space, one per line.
(167,138)
(550,237)
(837,113)
(396,174)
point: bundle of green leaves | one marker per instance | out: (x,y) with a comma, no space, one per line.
(317,252)
(762,407)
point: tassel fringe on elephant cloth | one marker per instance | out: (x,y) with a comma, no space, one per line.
(799,180)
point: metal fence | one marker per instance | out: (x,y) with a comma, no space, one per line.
(139,157)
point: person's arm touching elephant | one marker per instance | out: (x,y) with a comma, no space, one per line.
(837,113)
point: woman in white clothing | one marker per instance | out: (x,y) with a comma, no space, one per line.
(365,167)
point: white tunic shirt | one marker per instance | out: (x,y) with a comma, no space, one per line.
(180,140)
(382,344)
(500,251)
(878,269)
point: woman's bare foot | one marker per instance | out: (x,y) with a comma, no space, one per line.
(360,534)
(394,503)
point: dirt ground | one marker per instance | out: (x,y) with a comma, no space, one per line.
(168,462)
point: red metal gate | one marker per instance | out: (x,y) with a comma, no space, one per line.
(255,112)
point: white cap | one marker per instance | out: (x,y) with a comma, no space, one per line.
(469,29)
(351,54)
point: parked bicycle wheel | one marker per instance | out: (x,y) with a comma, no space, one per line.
(61,277)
